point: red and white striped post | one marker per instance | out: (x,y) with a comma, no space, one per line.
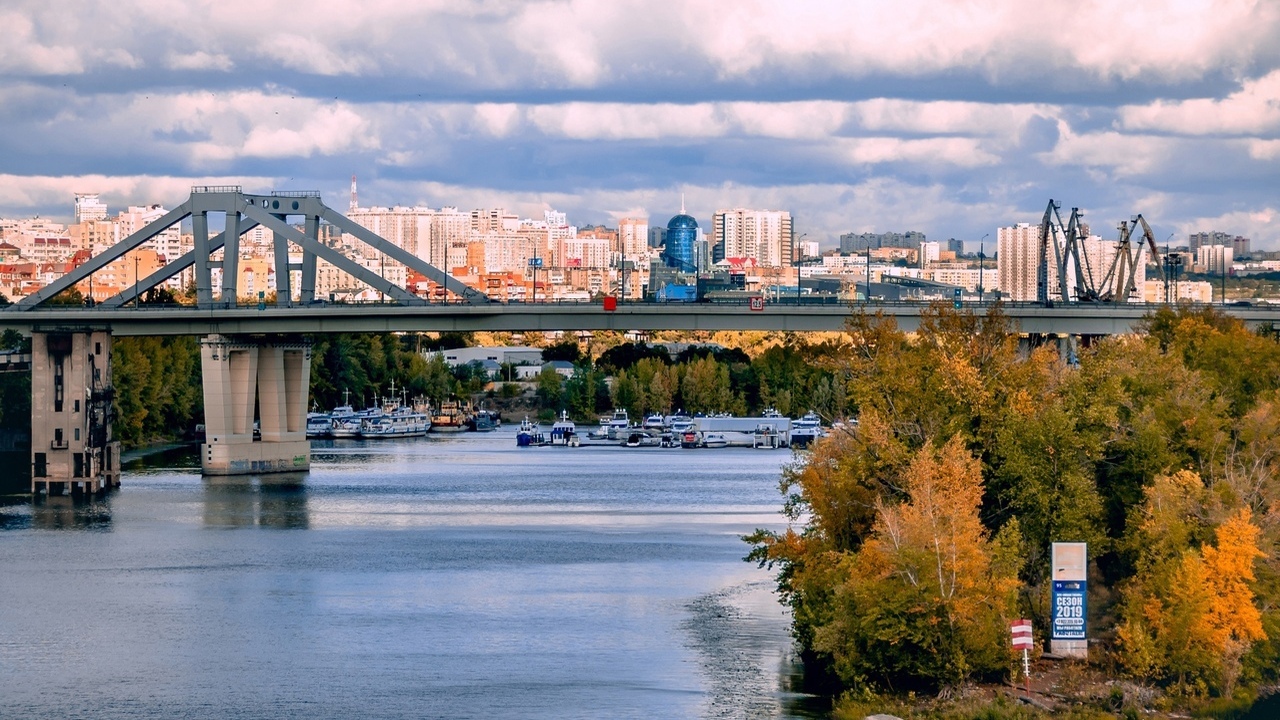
(1021,631)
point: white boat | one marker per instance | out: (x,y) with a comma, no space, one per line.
(350,426)
(638,437)
(807,429)
(617,420)
(654,422)
(396,425)
(715,440)
(319,425)
(564,432)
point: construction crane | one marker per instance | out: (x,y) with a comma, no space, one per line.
(1121,279)
(1066,256)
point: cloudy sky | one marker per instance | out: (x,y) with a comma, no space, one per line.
(949,118)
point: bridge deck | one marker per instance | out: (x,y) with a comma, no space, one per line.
(531,317)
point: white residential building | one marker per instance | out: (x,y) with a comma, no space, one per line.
(762,235)
(89,208)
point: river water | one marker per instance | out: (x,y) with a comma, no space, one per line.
(453,576)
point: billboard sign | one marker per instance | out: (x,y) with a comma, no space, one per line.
(1070,609)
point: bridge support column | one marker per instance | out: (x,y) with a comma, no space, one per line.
(72,446)
(236,373)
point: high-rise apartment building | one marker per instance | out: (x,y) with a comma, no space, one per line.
(89,208)
(1018,262)
(495,220)
(169,244)
(762,235)
(633,236)
(657,236)
(1214,259)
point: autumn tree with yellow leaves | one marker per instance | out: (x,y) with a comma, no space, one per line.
(919,530)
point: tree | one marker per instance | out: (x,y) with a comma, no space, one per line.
(550,393)
(567,350)
(705,387)
(625,356)
(1189,614)
(925,600)
(628,395)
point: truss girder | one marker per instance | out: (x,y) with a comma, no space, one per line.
(115,252)
(243,213)
(337,259)
(440,277)
(169,270)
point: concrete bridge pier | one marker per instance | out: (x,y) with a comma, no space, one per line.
(73,449)
(274,373)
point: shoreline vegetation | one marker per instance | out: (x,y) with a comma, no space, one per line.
(919,533)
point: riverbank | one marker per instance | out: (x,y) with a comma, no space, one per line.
(1058,689)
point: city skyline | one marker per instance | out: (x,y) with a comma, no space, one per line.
(852,118)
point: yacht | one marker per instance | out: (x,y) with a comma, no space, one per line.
(319,425)
(654,422)
(715,440)
(766,436)
(618,420)
(807,429)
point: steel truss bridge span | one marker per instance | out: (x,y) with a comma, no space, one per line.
(1105,319)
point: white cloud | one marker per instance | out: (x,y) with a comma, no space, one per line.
(23,52)
(199,60)
(18,192)
(593,43)
(964,152)
(312,55)
(1124,155)
(1264,149)
(1254,109)
(1108,40)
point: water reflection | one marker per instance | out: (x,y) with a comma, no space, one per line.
(71,512)
(277,501)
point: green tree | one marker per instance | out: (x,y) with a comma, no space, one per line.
(705,387)
(550,391)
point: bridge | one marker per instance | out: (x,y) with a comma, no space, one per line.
(321,317)
(256,362)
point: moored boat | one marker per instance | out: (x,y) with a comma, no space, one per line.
(806,430)
(400,424)
(529,435)
(450,418)
(564,431)
(319,425)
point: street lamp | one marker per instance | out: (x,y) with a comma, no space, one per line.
(981,256)
(795,261)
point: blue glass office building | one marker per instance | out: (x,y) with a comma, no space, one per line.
(682,237)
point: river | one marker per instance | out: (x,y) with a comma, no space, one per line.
(453,576)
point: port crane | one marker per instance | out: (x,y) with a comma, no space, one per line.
(1063,245)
